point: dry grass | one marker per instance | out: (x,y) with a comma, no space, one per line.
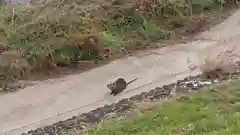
(220,59)
(55,33)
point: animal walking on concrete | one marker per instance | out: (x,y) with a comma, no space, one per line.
(119,85)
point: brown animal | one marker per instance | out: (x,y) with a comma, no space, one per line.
(119,85)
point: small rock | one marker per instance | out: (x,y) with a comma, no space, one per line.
(124,105)
(205,83)
(111,115)
(38,131)
(108,108)
(136,98)
(30,132)
(125,101)
(97,115)
(150,94)
(49,130)
(113,107)
(143,95)
(161,93)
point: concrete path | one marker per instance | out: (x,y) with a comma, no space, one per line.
(58,99)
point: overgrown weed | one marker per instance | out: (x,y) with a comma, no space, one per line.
(62,32)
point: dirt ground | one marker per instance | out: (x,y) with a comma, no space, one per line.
(59,98)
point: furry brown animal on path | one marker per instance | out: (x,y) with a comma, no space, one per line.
(119,85)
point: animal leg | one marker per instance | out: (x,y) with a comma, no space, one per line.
(114,94)
(111,92)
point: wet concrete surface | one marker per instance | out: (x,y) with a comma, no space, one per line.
(58,99)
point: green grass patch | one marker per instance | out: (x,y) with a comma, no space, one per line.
(205,112)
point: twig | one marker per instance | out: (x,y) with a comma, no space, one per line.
(13,16)
(60,3)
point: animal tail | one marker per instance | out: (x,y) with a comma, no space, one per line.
(132,81)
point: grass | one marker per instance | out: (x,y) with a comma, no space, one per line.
(208,112)
(59,32)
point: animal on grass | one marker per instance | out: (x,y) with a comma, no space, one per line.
(119,85)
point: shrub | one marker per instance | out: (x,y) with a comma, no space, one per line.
(55,33)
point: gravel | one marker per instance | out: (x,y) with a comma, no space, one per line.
(121,108)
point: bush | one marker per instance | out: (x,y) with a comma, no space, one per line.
(53,33)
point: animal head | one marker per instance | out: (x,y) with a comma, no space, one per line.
(111,86)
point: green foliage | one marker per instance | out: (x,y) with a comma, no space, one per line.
(112,40)
(35,38)
(150,30)
(32,29)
